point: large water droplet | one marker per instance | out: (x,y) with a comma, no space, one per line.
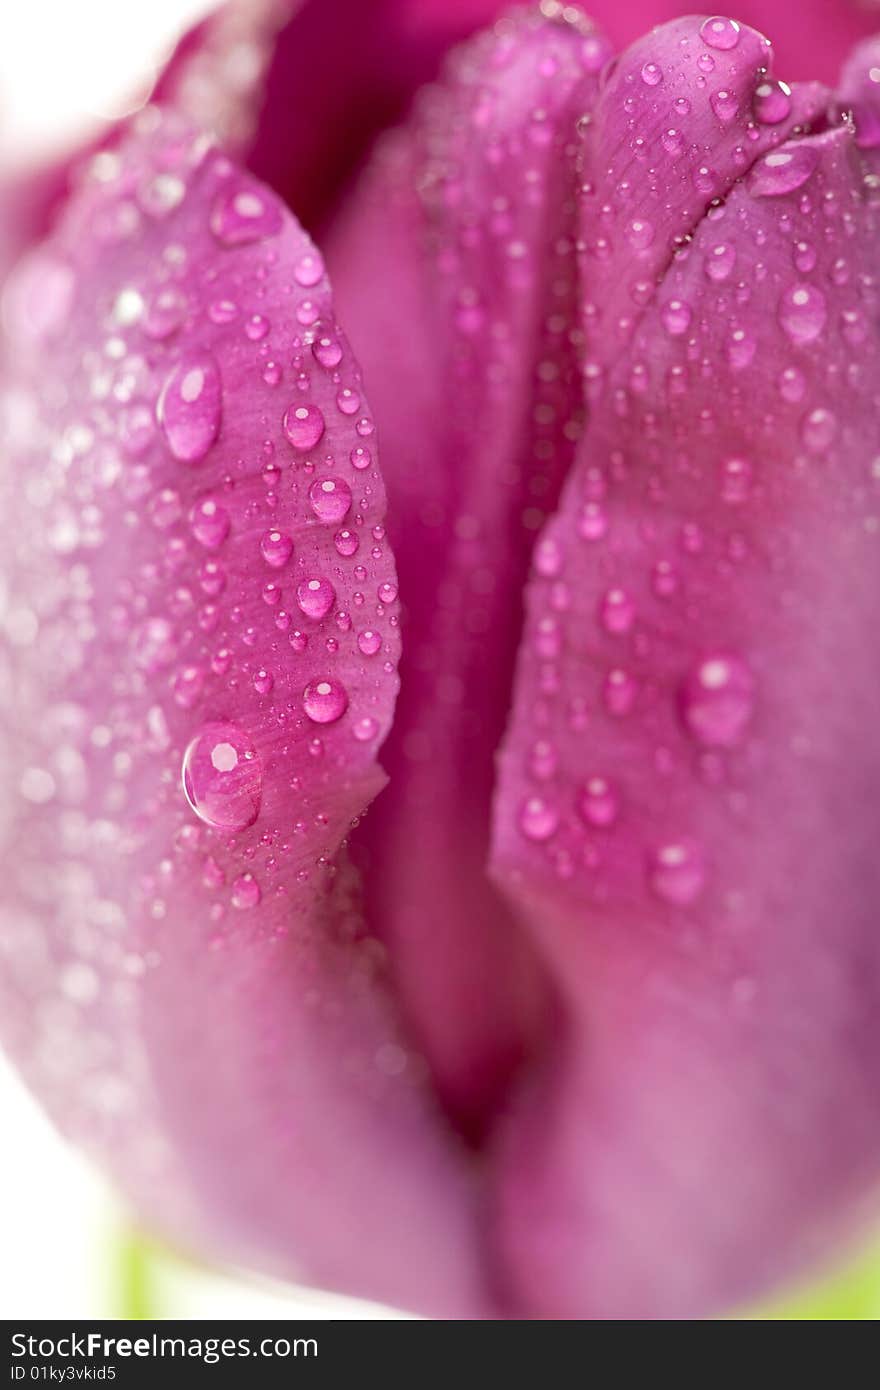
(315,597)
(222,777)
(303,425)
(772,101)
(330,499)
(783,171)
(325,701)
(720,33)
(189,407)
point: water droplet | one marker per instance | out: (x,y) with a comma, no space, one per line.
(818,430)
(303,426)
(325,701)
(276,548)
(346,543)
(652,74)
(802,313)
(599,803)
(593,522)
(772,101)
(717,700)
(736,480)
(740,348)
(209,523)
(677,872)
(617,611)
(619,692)
(244,215)
(720,33)
(327,351)
(189,407)
(369,642)
(664,579)
(792,385)
(165,313)
(640,234)
(782,171)
(315,597)
(676,317)
(187,686)
(719,262)
(246,892)
(365,729)
(538,819)
(330,499)
(222,777)
(725,104)
(309,270)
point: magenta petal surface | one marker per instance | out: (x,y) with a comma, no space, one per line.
(698,864)
(194,548)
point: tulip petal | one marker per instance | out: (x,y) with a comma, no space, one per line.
(194,550)
(698,867)
(472,368)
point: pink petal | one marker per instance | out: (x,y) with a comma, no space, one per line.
(699,868)
(461,297)
(191,991)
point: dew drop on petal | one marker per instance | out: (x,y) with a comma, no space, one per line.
(244,215)
(677,872)
(599,803)
(325,701)
(315,597)
(782,171)
(538,819)
(771,102)
(309,270)
(246,892)
(720,33)
(188,409)
(209,523)
(369,642)
(303,425)
(802,313)
(717,700)
(330,499)
(327,351)
(222,777)
(276,548)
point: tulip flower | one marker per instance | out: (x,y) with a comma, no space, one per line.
(439,709)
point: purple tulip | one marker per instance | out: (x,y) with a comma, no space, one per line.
(581,1019)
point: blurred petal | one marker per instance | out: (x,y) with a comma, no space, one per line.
(456,267)
(193,551)
(339,74)
(700,870)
